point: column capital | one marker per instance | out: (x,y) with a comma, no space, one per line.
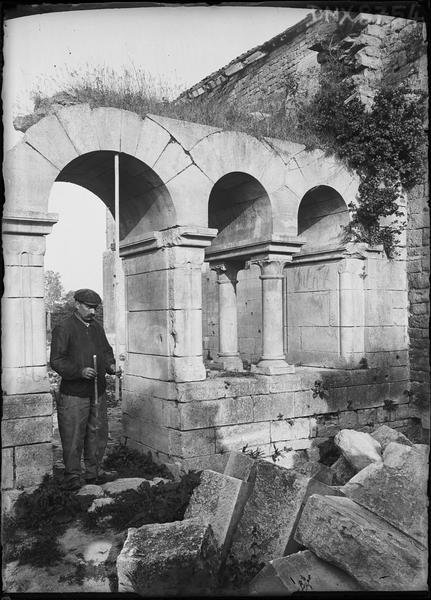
(28,222)
(227,271)
(193,237)
(271,265)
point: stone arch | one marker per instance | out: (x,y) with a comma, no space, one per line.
(239,208)
(322,216)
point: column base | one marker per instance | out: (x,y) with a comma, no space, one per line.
(272,367)
(230,363)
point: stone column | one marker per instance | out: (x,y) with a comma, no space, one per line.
(272,361)
(228,354)
(27,401)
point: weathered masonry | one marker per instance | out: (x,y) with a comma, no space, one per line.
(197,200)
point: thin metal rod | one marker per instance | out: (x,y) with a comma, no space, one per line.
(117,269)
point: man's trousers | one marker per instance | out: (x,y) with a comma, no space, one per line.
(78,433)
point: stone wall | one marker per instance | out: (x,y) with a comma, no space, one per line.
(199,422)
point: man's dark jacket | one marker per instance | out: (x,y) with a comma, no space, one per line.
(72,348)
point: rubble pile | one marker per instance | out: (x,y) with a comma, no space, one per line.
(360,525)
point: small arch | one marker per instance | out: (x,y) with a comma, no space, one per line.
(145,203)
(239,207)
(322,216)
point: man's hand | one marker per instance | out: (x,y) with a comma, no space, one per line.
(88,373)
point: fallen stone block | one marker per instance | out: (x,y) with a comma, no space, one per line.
(385,435)
(218,500)
(359,448)
(395,489)
(163,559)
(301,572)
(314,487)
(270,513)
(343,471)
(122,485)
(239,465)
(376,554)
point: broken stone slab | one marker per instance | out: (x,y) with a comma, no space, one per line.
(270,513)
(395,489)
(122,485)
(376,554)
(343,471)
(239,465)
(301,572)
(314,487)
(359,448)
(163,559)
(385,435)
(218,501)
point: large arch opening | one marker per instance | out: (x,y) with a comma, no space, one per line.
(145,204)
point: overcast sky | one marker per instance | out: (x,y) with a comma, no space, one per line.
(178,45)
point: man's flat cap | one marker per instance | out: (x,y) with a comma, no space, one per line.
(88,297)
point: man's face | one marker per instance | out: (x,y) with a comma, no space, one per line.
(86,312)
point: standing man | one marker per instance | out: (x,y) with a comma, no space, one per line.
(82,425)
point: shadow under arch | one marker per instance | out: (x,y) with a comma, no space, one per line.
(322,216)
(240,208)
(145,203)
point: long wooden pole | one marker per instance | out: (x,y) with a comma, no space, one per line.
(117,269)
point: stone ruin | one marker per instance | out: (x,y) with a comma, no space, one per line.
(248,322)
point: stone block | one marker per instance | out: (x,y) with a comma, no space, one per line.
(130,132)
(385,435)
(24,380)
(385,338)
(49,138)
(7,472)
(360,449)
(23,282)
(270,513)
(27,174)
(395,490)
(235,437)
(188,211)
(78,123)
(20,432)
(32,463)
(23,332)
(314,487)
(190,444)
(209,389)
(148,387)
(151,434)
(215,462)
(218,501)
(269,407)
(163,559)
(348,419)
(378,556)
(107,124)
(290,429)
(281,383)
(306,405)
(210,413)
(301,572)
(34,405)
(239,465)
